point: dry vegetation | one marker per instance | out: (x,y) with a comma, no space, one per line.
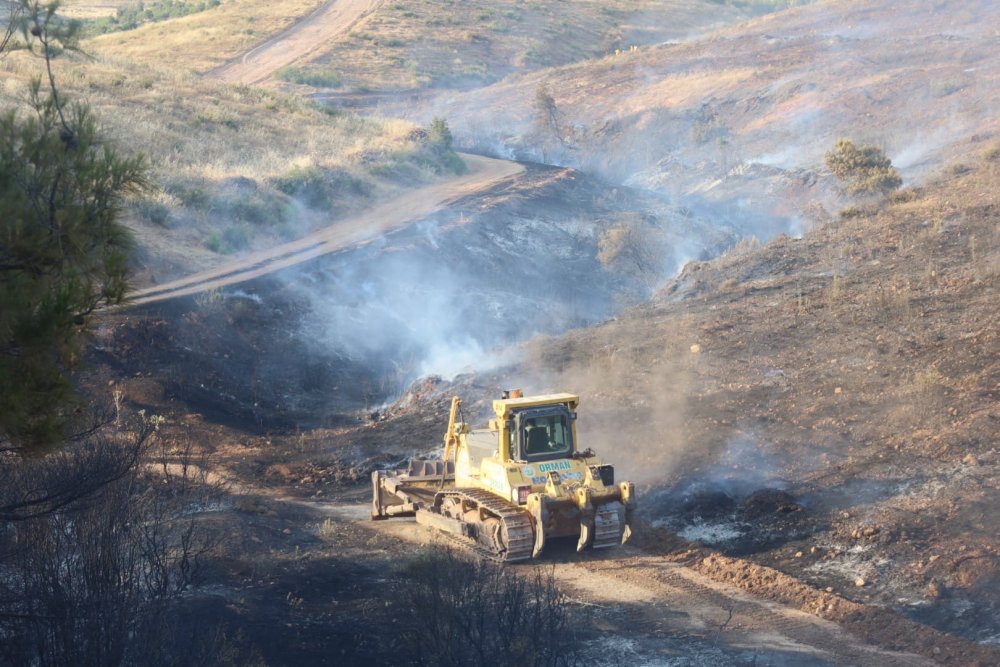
(205,40)
(744,115)
(89,9)
(407,45)
(472,42)
(236,166)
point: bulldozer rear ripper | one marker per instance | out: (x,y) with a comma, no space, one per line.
(507,489)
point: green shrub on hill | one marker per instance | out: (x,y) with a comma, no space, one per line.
(866,170)
(319,79)
(132,16)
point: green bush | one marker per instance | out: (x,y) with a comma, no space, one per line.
(866,170)
(132,16)
(260,211)
(214,242)
(440,134)
(154,211)
(236,238)
(193,197)
(307,184)
(319,79)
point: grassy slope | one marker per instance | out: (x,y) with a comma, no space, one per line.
(89,9)
(218,154)
(199,42)
(775,92)
(471,42)
(406,45)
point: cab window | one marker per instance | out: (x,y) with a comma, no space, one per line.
(544,437)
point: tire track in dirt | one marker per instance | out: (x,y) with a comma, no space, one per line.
(297,42)
(366,226)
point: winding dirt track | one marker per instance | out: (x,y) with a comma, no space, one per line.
(382,219)
(298,42)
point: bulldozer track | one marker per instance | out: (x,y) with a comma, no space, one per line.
(520,536)
(608,525)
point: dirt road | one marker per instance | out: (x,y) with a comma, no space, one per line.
(382,219)
(298,42)
(647,598)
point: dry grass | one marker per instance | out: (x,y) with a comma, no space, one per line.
(219,154)
(414,44)
(89,9)
(202,41)
(420,43)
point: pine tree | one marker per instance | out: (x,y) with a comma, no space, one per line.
(63,250)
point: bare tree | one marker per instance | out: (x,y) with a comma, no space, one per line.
(90,578)
(547,119)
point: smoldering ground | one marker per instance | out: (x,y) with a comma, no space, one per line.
(699,119)
(342,334)
(447,294)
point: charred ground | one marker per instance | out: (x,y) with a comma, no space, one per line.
(812,420)
(317,344)
(803,416)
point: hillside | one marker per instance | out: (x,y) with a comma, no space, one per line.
(413,45)
(202,40)
(803,385)
(234,168)
(405,45)
(811,421)
(737,122)
(826,406)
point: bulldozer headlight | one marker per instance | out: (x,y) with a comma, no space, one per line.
(522,493)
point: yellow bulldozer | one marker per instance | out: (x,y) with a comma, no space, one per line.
(507,489)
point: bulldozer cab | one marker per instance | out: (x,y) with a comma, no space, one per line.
(542,434)
(513,485)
